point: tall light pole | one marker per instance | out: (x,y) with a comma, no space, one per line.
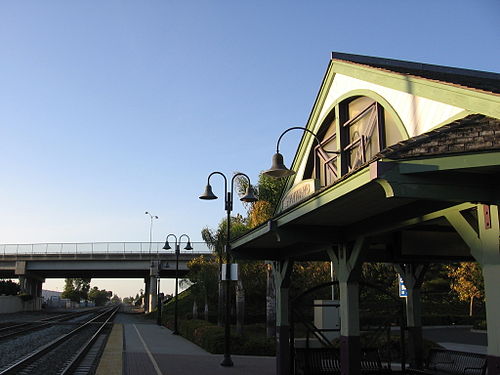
(177,251)
(158,299)
(151,217)
(228,205)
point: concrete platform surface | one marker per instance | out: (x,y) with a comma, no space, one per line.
(111,362)
(153,350)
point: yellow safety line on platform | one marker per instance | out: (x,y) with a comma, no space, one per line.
(157,368)
(111,362)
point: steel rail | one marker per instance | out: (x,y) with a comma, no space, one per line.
(39,324)
(29,322)
(16,367)
(76,360)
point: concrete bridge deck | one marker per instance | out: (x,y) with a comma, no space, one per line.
(33,263)
(100,259)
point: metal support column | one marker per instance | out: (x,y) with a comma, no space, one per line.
(347,262)
(282,271)
(413,277)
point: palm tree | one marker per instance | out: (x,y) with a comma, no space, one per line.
(216,241)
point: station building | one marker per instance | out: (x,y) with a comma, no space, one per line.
(403,167)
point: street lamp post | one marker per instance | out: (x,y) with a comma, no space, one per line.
(177,251)
(158,298)
(151,217)
(278,168)
(228,205)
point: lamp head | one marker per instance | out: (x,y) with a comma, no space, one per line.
(249,195)
(167,246)
(208,194)
(278,168)
(188,246)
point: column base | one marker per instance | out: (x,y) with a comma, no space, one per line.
(227,361)
(283,350)
(415,347)
(493,365)
(350,355)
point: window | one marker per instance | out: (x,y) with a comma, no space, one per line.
(361,131)
(351,136)
(327,155)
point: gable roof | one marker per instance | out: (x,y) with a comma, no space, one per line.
(469,134)
(476,79)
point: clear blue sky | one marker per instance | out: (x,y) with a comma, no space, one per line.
(110,108)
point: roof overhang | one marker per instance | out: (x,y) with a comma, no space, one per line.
(383,200)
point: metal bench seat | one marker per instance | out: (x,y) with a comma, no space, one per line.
(326,361)
(446,362)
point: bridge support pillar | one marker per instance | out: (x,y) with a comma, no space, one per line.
(153,286)
(282,271)
(347,265)
(145,301)
(152,293)
(413,277)
(30,285)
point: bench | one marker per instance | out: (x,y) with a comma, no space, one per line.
(326,361)
(444,362)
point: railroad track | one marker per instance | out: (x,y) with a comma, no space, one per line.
(75,352)
(11,331)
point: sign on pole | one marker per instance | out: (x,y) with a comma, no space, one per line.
(234,272)
(403,293)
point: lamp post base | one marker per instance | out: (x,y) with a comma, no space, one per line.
(158,317)
(227,361)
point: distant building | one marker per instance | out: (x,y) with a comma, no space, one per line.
(48,294)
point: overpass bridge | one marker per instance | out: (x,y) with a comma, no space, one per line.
(33,263)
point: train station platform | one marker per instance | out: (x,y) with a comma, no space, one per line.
(148,349)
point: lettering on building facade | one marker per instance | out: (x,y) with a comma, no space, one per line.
(299,192)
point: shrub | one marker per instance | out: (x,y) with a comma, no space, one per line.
(9,288)
(480,324)
(436,320)
(256,345)
(26,297)
(211,338)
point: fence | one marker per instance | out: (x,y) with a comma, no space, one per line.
(98,248)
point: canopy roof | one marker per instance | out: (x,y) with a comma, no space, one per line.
(399,198)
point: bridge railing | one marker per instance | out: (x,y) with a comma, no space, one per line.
(68,248)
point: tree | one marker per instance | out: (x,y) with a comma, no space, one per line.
(83,287)
(9,288)
(128,300)
(269,190)
(69,291)
(251,290)
(76,289)
(116,299)
(270,303)
(203,274)
(99,297)
(309,274)
(216,241)
(467,282)
(260,212)
(251,285)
